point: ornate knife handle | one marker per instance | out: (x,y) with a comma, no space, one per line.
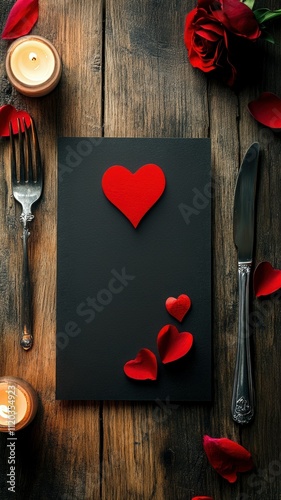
(26,340)
(242,407)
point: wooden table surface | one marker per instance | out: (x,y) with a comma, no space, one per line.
(126,74)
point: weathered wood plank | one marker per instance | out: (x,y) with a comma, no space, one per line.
(58,455)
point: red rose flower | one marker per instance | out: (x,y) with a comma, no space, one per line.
(214,32)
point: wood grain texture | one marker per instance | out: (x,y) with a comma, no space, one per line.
(48,463)
(126,74)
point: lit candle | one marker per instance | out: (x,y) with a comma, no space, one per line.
(33,66)
(18,404)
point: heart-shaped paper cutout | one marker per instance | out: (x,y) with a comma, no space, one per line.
(134,193)
(10,114)
(266,279)
(143,367)
(172,344)
(179,307)
(267,110)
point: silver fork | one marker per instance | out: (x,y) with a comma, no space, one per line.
(27,183)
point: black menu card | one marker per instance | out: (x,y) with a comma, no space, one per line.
(113,279)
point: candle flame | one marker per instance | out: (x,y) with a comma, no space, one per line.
(4,411)
(32,56)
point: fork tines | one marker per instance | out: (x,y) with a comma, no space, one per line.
(29,158)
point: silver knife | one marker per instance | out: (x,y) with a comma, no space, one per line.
(242,406)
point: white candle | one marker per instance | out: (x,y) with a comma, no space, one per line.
(18,404)
(33,66)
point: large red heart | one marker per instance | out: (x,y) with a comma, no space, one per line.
(172,344)
(134,193)
(179,307)
(10,114)
(266,279)
(143,367)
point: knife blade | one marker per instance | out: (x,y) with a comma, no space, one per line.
(242,405)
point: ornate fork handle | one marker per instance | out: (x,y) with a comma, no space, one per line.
(25,218)
(242,407)
(26,339)
(27,185)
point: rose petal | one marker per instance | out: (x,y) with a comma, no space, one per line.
(143,367)
(179,307)
(21,19)
(202,498)
(267,110)
(238,18)
(10,114)
(227,457)
(190,33)
(209,35)
(173,345)
(266,279)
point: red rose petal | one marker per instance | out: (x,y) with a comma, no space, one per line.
(21,19)
(143,367)
(10,114)
(202,498)
(195,57)
(172,344)
(266,279)
(267,110)
(179,307)
(227,457)
(238,18)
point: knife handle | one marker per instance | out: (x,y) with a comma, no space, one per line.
(242,406)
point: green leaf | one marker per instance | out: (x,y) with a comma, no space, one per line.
(249,3)
(263,15)
(267,36)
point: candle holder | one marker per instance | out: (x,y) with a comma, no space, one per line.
(33,66)
(18,404)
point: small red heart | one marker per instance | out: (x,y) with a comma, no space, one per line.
(10,114)
(172,344)
(179,307)
(266,279)
(143,367)
(134,193)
